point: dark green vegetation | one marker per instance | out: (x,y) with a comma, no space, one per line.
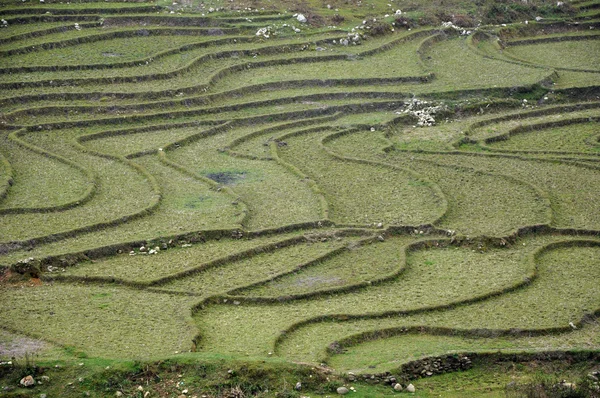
(221,198)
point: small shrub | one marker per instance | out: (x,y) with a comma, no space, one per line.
(403,22)
(379,29)
(337,19)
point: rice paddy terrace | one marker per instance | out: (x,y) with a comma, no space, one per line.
(240,183)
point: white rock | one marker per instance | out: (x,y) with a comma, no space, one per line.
(410,388)
(27,381)
(397,387)
(342,390)
(301,18)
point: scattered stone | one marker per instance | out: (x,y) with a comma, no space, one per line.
(118,394)
(45,378)
(43,396)
(29,266)
(27,381)
(342,390)
(410,388)
(298,386)
(140,388)
(301,18)
(398,387)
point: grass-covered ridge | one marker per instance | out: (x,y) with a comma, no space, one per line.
(242,198)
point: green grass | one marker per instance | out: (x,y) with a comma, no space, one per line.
(306,210)
(401,57)
(376,356)
(357,264)
(147,268)
(570,188)
(432,278)
(374,194)
(565,54)
(131,143)
(266,188)
(579,137)
(85,316)
(479,203)
(110,202)
(40,181)
(105,51)
(251,269)
(467,65)
(560,294)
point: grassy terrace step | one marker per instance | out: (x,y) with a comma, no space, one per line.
(108,205)
(487,127)
(265,187)
(402,57)
(301,212)
(255,145)
(85,316)
(182,263)
(141,140)
(479,203)
(356,264)
(582,54)
(103,209)
(445,276)
(293,45)
(571,197)
(187,203)
(387,354)
(569,136)
(555,37)
(252,269)
(102,52)
(234,52)
(68,39)
(28,31)
(75,9)
(40,181)
(270,110)
(363,193)
(489,72)
(562,292)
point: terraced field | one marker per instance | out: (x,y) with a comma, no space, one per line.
(355,194)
